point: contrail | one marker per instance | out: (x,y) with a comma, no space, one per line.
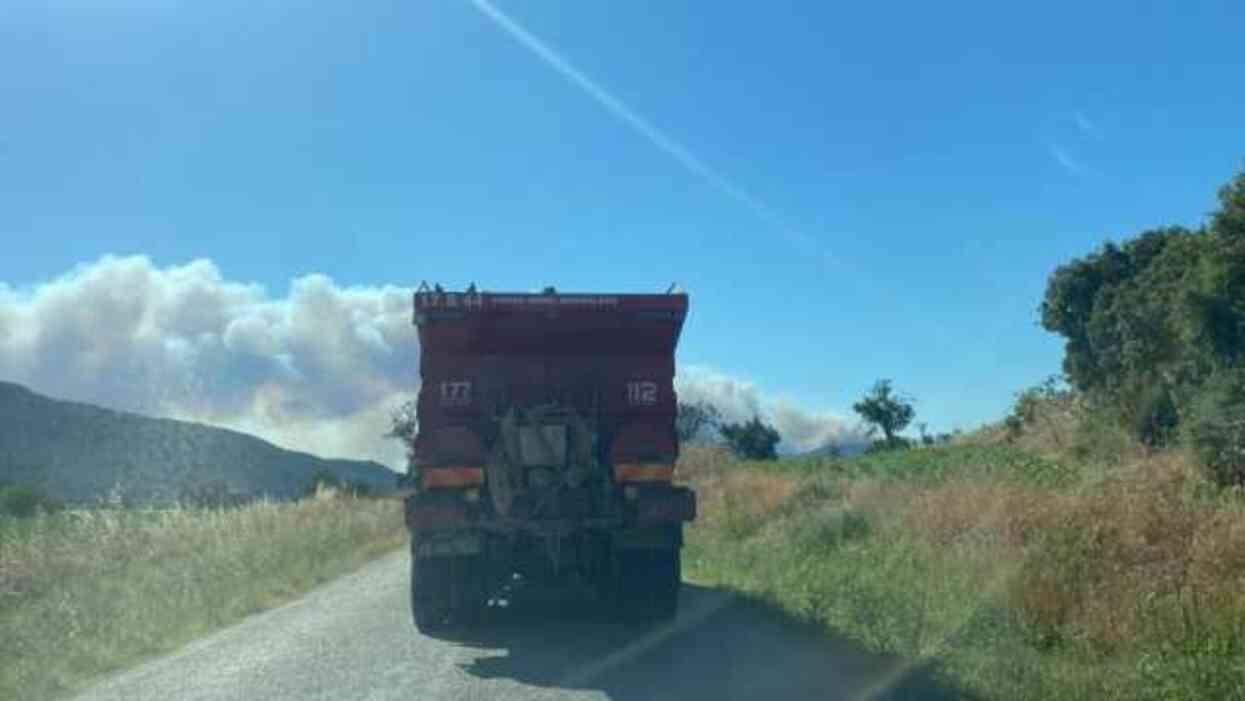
(1065,159)
(641,125)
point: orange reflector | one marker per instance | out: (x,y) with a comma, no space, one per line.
(643,472)
(451,477)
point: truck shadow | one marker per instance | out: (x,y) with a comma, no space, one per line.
(721,646)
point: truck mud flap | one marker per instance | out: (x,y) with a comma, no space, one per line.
(653,538)
(664,504)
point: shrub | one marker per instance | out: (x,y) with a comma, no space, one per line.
(883,445)
(694,419)
(1216,428)
(1100,438)
(754,440)
(1155,418)
(215,494)
(25,501)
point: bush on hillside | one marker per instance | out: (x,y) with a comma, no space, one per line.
(215,494)
(754,440)
(883,445)
(1044,407)
(1216,428)
(1154,419)
(694,419)
(24,500)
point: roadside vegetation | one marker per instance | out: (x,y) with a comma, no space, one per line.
(86,592)
(1090,545)
(1018,574)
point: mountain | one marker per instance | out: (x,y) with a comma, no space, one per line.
(80,452)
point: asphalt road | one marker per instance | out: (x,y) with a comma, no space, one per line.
(353,639)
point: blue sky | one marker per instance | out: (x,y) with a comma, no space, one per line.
(922,166)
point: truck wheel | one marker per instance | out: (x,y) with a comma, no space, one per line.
(445,591)
(648,584)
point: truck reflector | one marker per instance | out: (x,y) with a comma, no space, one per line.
(452,477)
(643,472)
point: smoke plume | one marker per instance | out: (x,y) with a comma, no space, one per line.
(317,368)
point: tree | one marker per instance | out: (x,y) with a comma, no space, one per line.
(1215,429)
(25,500)
(404,426)
(1149,321)
(883,409)
(694,418)
(753,440)
(927,438)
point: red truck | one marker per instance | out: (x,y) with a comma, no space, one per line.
(545,450)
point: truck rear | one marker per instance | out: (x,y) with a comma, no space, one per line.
(545,450)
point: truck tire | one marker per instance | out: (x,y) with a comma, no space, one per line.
(445,592)
(648,584)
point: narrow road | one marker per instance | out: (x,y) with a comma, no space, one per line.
(353,639)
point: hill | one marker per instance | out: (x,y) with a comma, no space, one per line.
(80,452)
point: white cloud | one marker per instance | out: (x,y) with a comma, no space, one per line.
(317,369)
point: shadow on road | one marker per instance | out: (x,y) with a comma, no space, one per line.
(721,646)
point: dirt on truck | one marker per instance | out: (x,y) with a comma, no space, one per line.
(545,451)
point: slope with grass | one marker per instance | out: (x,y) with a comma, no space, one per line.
(86,592)
(1017,570)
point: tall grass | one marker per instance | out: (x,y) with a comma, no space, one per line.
(1023,575)
(86,592)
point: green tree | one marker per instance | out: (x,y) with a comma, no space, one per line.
(882,408)
(694,418)
(1148,323)
(25,500)
(1229,220)
(404,427)
(1216,427)
(752,440)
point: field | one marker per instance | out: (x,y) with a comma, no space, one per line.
(83,593)
(1075,566)
(1018,570)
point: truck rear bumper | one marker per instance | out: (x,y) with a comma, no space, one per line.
(644,506)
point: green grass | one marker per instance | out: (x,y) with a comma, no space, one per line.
(83,593)
(932,465)
(1024,577)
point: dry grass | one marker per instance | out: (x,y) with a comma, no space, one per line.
(86,592)
(729,496)
(1135,559)
(1126,582)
